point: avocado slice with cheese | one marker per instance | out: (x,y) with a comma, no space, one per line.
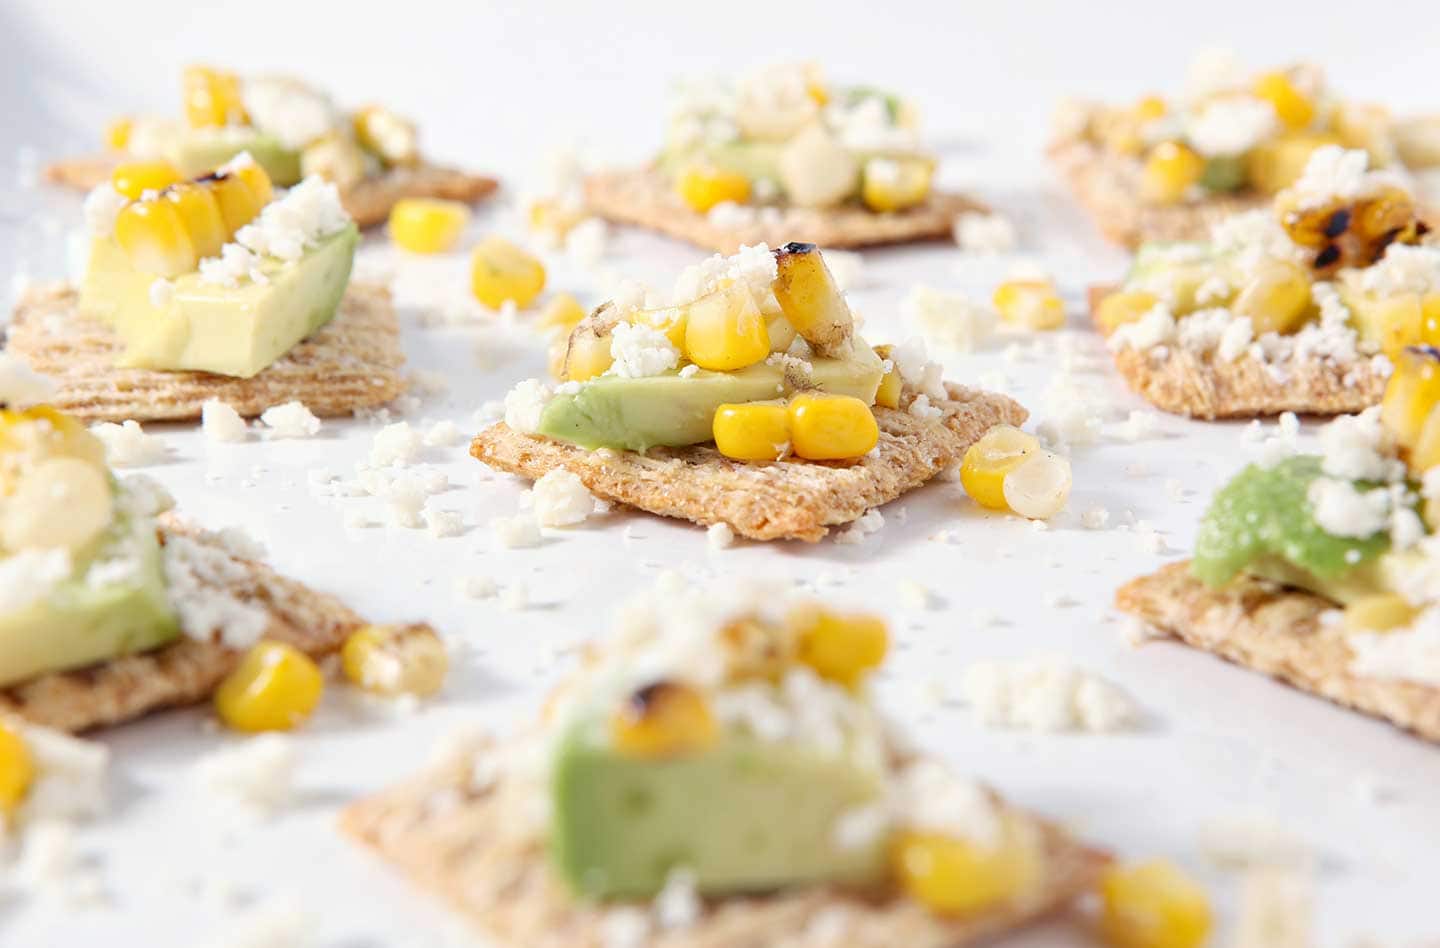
(199,151)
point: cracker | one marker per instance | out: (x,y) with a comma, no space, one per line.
(790,499)
(472,847)
(368,202)
(186,671)
(352,363)
(645,198)
(1206,386)
(1277,631)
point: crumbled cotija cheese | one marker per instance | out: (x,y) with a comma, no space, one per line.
(443,434)
(1409,654)
(102,206)
(720,536)
(201,576)
(444,523)
(395,444)
(1045,694)
(258,772)
(869,522)
(1230,126)
(678,903)
(27,576)
(640,351)
(525,403)
(515,532)
(221,422)
(291,111)
(561,499)
(70,777)
(979,232)
(752,266)
(127,444)
(290,420)
(949,319)
(1343,511)
(284,230)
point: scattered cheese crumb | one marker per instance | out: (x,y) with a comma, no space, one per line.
(443,434)
(257,773)
(720,535)
(678,903)
(949,320)
(127,444)
(221,422)
(561,499)
(395,444)
(516,532)
(290,420)
(444,523)
(70,781)
(979,232)
(913,595)
(476,587)
(1046,694)
(869,522)
(1095,518)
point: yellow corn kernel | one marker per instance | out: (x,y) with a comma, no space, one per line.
(1379,613)
(1033,304)
(891,384)
(1150,108)
(956,877)
(1170,172)
(117,133)
(274,688)
(1292,107)
(987,461)
(702,187)
(895,184)
(153,236)
(1152,905)
(811,300)
(17,770)
(831,427)
(501,272)
(427,225)
(212,97)
(1424,455)
(838,648)
(1411,395)
(255,178)
(554,219)
(782,334)
(725,330)
(1385,216)
(754,431)
(563,313)
(587,354)
(200,213)
(395,659)
(1275,164)
(239,202)
(383,133)
(666,719)
(1277,298)
(1122,307)
(133,178)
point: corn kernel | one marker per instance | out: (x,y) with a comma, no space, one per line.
(58,503)
(200,214)
(554,219)
(387,135)
(1152,905)
(212,97)
(1275,164)
(1039,486)
(274,688)
(1384,217)
(395,660)
(1292,107)
(782,334)
(427,225)
(587,354)
(1170,172)
(987,461)
(839,648)
(1277,299)
(702,188)
(891,384)
(133,178)
(667,719)
(811,301)
(256,178)
(501,272)
(1032,304)
(337,159)
(673,321)
(754,431)
(154,238)
(1411,395)
(239,202)
(117,133)
(1379,613)
(956,877)
(562,313)
(831,427)
(725,330)
(17,770)
(1150,108)
(893,184)
(1122,307)
(1424,456)
(36,434)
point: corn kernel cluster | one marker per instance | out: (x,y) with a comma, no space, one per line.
(813,426)
(1008,470)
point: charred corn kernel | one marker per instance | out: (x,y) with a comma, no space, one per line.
(831,427)
(501,272)
(666,719)
(587,354)
(1152,905)
(17,770)
(1292,107)
(134,178)
(239,202)
(754,431)
(1277,298)
(256,179)
(427,225)
(702,187)
(1411,395)
(1170,171)
(389,136)
(153,236)
(838,648)
(891,385)
(725,330)
(956,877)
(274,688)
(117,133)
(212,97)
(562,313)
(1379,613)
(1384,216)
(1122,307)
(1033,304)
(983,469)
(200,213)
(1274,165)
(395,660)
(1039,486)
(894,184)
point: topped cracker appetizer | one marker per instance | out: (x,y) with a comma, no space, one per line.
(746,398)
(1300,306)
(218,287)
(1170,170)
(781,152)
(717,774)
(292,129)
(1324,570)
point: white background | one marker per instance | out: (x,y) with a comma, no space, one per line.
(496,87)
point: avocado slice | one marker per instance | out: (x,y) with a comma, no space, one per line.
(199,151)
(1225,173)
(670,411)
(747,816)
(97,614)
(206,327)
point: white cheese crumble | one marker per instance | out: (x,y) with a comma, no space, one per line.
(752,266)
(221,422)
(949,320)
(561,499)
(525,403)
(443,434)
(284,230)
(516,532)
(70,777)
(201,577)
(678,904)
(640,351)
(985,233)
(258,773)
(720,536)
(1404,269)
(395,444)
(28,576)
(476,587)
(102,206)
(293,112)
(1410,654)
(127,444)
(1046,694)
(290,420)
(1333,173)
(1230,126)
(1356,447)
(869,522)
(1341,510)
(444,523)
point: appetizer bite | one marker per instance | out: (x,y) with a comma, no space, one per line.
(745,397)
(717,773)
(1300,306)
(782,152)
(217,287)
(114,607)
(1171,170)
(1324,570)
(292,129)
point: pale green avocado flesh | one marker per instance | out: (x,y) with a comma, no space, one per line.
(205,327)
(670,411)
(199,151)
(85,619)
(745,817)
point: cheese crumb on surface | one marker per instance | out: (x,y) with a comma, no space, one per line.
(721,536)
(221,422)
(678,903)
(444,523)
(913,595)
(405,499)
(443,434)
(1095,518)
(869,522)
(476,587)
(525,403)
(1047,695)
(127,444)
(979,232)
(395,444)
(513,533)
(290,420)
(561,499)
(70,777)
(102,206)
(949,320)
(258,773)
